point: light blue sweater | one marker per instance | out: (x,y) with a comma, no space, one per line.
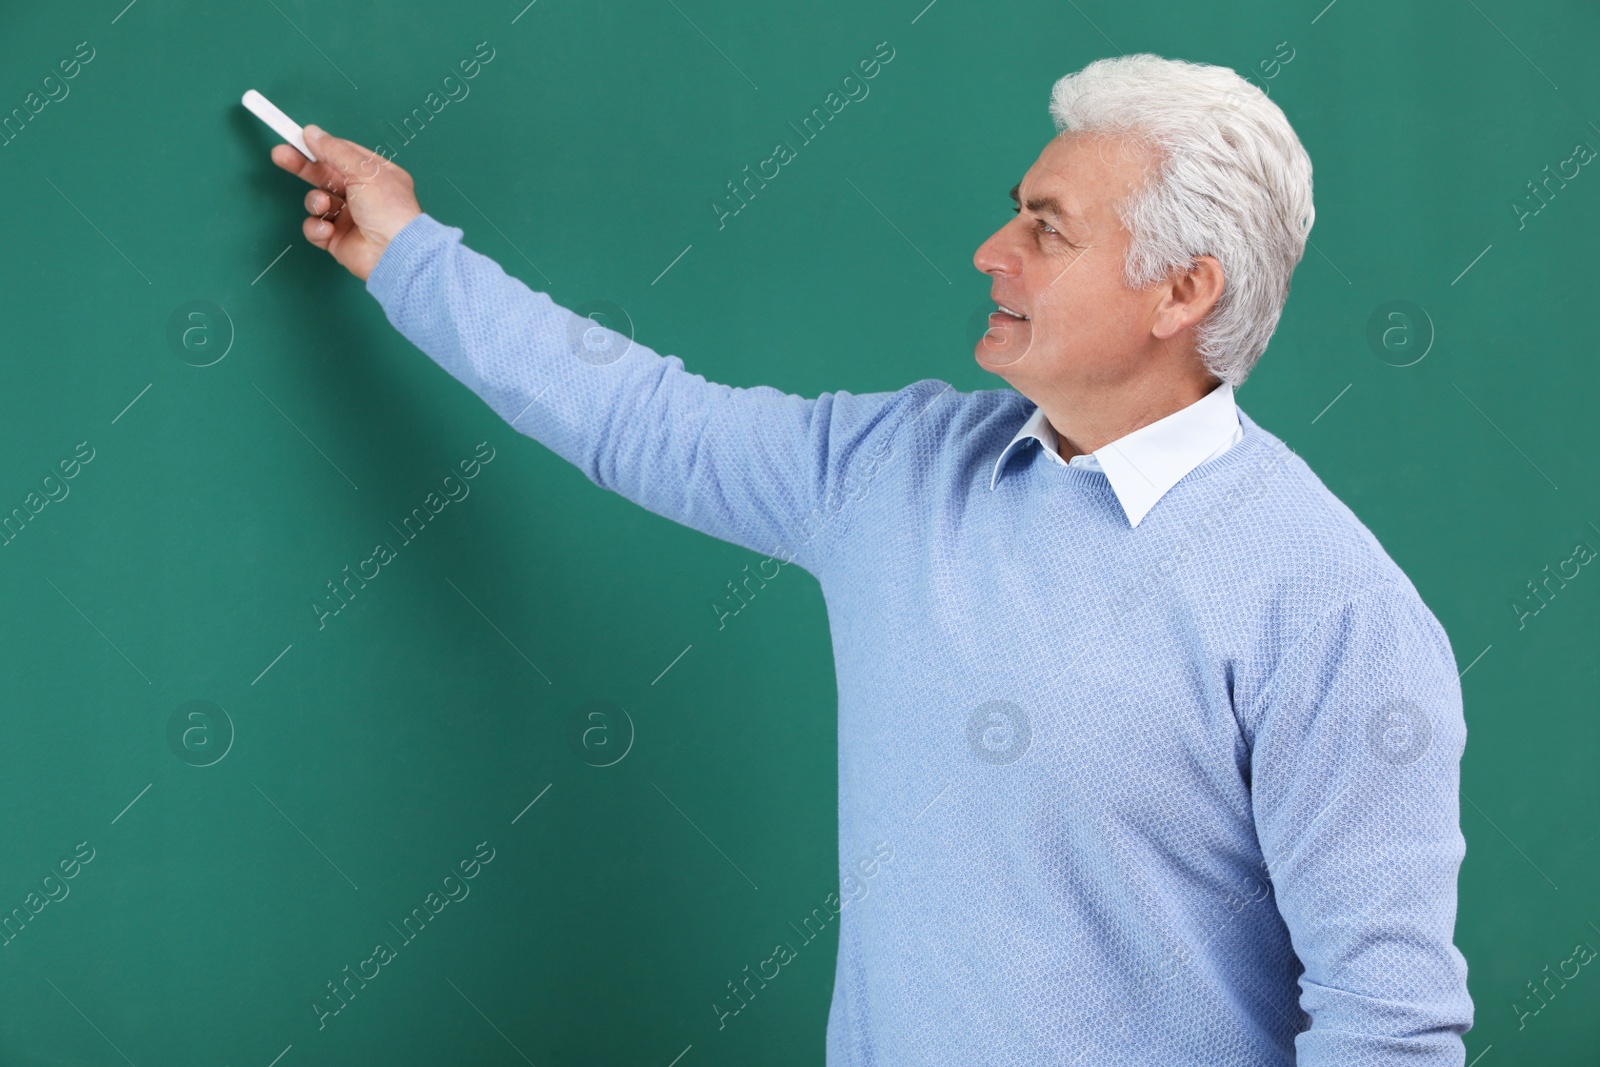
(1179,794)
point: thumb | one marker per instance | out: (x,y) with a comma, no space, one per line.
(347,158)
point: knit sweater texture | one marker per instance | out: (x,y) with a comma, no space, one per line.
(1179,794)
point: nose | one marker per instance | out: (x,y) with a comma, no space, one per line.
(995,256)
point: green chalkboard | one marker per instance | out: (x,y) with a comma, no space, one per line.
(527,757)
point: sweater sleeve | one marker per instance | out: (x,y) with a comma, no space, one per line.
(756,467)
(1354,780)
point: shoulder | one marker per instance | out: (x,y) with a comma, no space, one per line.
(932,416)
(1306,566)
(937,408)
(943,417)
(1307,539)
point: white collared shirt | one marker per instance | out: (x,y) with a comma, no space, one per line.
(1143,465)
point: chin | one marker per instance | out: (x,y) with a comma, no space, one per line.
(1003,346)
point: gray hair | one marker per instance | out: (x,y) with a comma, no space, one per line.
(1233,181)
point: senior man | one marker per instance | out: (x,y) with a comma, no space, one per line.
(1162,743)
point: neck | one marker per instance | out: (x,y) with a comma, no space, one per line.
(1087,416)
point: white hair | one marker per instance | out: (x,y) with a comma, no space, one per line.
(1232,181)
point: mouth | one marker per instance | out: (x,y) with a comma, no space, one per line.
(1004,341)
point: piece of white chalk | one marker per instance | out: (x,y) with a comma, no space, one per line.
(282,124)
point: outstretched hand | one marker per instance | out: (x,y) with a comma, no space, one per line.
(361,201)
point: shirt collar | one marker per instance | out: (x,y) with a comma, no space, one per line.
(1143,465)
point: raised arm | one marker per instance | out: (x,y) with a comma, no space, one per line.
(1355,753)
(757,467)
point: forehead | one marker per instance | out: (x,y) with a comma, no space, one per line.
(1088,174)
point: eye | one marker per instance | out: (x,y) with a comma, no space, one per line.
(1043,225)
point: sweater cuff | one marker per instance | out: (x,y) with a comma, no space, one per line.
(404,253)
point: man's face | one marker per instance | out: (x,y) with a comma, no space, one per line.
(1059,262)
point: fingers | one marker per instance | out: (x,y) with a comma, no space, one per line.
(351,161)
(323,232)
(350,180)
(324,204)
(317,231)
(339,162)
(320,173)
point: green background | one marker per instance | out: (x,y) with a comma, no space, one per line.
(370,756)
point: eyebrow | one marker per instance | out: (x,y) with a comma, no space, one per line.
(1042,205)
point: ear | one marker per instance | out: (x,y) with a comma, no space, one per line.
(1188,296)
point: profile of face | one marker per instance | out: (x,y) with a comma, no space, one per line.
(1058,267)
